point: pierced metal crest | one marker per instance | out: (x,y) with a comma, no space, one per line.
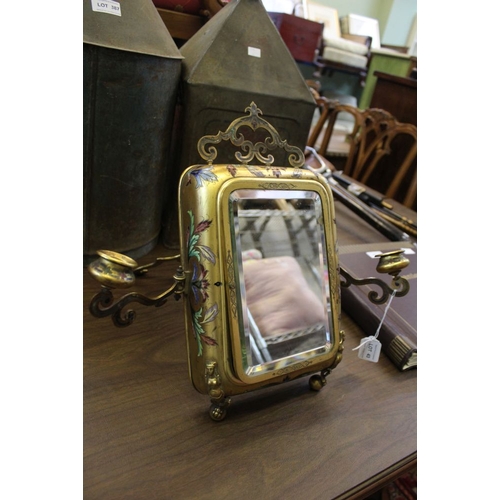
(257,150)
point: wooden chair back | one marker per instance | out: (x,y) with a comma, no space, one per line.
(381,151)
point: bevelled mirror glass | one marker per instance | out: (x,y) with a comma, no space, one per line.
(279,242)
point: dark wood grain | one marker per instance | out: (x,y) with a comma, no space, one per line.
(396,94)
(180,25)
(148,435)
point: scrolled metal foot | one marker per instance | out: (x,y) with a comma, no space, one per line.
(318,381)
(218,408)
(218,411)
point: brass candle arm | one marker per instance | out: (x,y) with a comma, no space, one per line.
(114,270)
(139,271)
(389,263)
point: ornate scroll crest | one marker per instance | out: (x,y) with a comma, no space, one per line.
(257,150)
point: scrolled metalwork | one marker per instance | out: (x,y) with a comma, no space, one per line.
(208,152)
(398,284)
(102,304)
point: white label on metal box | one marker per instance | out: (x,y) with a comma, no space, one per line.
(253,51)
(107,6)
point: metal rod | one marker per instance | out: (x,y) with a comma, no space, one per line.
(348,199)
(376,202)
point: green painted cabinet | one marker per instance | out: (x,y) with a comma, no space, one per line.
(387,61)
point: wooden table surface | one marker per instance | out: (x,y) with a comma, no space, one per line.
(148,435)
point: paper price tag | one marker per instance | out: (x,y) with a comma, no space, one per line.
(369,349)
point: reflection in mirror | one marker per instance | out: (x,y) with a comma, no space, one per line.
(283,282)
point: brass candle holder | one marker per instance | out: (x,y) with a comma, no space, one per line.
(391,263)
(115,270)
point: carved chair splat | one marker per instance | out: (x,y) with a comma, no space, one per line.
(375,134)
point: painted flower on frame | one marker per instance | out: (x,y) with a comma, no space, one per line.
(202,175)
(255,171)
(276,171)
(200,283)
(200,318)
(232,170)
(195,249)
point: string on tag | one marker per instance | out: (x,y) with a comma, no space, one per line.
(385,313)
(370,346)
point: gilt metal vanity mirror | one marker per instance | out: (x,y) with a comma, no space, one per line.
(258,273)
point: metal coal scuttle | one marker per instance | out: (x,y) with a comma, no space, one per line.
(131,69)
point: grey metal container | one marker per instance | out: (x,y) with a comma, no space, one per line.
(131,71)
(235,58)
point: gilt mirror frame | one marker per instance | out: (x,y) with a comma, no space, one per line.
(211,215)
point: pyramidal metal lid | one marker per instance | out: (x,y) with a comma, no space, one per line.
(241,48)
(129,25)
